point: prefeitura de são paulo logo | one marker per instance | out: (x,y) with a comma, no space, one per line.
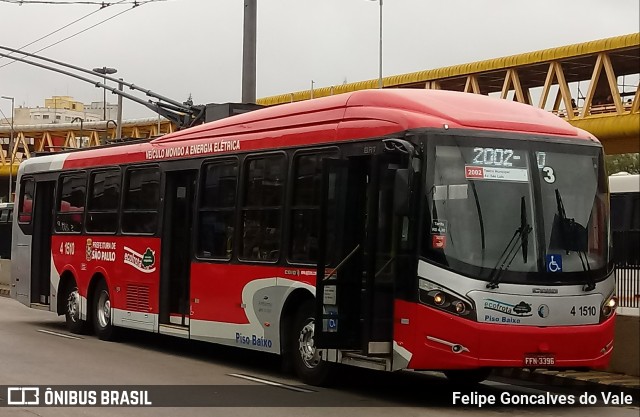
(88,250)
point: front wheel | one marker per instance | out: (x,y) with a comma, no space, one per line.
(102,313)
(72,311)
(308,365)
(468,376)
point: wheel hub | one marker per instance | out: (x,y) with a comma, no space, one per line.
(104,310)
(308,352)
(73,305)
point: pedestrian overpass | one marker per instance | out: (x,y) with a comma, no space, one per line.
(601,77)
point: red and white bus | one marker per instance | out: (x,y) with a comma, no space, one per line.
(388,229)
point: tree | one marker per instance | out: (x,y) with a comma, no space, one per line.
(627,162)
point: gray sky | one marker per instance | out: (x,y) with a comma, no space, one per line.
(182,47)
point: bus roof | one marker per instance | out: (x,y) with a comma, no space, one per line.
(623,182)
(405,108)
(349,116)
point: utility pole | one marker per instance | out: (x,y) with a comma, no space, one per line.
(380,47)
(249,52)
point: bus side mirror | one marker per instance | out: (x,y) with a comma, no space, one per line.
(401,192)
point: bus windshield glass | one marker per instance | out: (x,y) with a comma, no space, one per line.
(517,211)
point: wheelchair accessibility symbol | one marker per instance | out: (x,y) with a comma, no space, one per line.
(554,263)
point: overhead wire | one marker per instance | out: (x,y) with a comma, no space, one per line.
(136,4)
(54,32)
(102,4)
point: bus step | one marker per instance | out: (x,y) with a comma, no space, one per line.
(363,361)
(39,306)
(174,330)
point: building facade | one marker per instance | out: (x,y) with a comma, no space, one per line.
(64,109)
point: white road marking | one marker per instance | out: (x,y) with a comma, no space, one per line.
(272,383)
(59,334)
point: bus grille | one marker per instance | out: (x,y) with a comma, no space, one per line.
(137,298)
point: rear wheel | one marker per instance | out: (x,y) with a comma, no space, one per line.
(308,365)
(468,376)
(72,310)
(102,313)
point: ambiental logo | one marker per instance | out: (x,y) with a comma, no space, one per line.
(521,309)
(143,262)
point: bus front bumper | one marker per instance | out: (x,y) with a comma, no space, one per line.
(438,341)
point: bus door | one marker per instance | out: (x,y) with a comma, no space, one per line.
(42,224)
(179,200)
(355,279)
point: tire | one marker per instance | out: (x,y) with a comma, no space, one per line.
(468,376)
(72,310)
(102,313)
(304,357)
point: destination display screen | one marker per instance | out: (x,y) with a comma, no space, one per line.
(498,164)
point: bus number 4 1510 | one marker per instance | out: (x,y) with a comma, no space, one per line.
(584,311)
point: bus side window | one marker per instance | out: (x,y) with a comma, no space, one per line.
(70,205)
(262,208)
(305,208)
(217,210)
(26,201)
(103,203)
(618,209)
(141,198)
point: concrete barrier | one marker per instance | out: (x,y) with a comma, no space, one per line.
(626,346)
(5,271)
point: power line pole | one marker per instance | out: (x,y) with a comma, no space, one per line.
(249,51)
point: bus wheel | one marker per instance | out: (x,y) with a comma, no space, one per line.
(102,313)
(72,311)
(468,376)
(305,357)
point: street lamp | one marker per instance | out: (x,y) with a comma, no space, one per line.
(81,129)
(104,71)
(380,55)
(11,145)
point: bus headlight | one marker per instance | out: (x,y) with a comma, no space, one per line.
(443,299)
(460,307)
(608,307)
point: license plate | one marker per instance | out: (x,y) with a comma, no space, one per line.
(539,359)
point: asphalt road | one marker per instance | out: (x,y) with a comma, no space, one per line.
(36,349)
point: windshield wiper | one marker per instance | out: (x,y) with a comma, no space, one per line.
(574,238)
(511,250)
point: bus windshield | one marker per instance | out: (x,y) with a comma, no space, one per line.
(529,212)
